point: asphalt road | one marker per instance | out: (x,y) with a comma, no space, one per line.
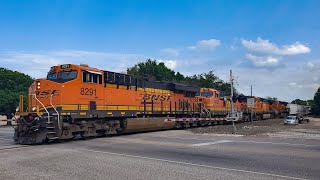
(174,154)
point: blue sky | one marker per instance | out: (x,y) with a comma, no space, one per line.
(273,45)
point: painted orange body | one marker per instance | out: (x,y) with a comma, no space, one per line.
(97,95)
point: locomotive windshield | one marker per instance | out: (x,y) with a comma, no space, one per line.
(67,75)
(52,76)
(207,94)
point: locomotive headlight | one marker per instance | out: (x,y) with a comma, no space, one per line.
(38,85)
(34,108)
(17,109)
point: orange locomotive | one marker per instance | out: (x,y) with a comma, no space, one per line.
(211,100)
(220,106)
(77,99)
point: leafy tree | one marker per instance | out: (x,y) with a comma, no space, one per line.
(302,102)
(316,103)
(152,70)
(12,85)
(179,77)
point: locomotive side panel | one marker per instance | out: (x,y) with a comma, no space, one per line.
(87,96)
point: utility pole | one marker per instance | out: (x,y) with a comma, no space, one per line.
(251,115)
(231,99)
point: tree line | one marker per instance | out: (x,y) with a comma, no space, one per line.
(12,85)
(157,71)
(313,103)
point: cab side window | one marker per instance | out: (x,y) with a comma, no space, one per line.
(88,77)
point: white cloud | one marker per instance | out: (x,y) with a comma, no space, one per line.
(37,64)
(171,51)
(209,44)
(172,64)
(265,46)
(313,66)
(263,61)
(310,65)
(293,84)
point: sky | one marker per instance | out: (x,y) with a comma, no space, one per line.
(269,44)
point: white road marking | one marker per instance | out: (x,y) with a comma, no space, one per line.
(211,143)
(192,164)
(175,137)
(275,143)
(258,142)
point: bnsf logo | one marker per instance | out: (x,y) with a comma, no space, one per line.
(156,97)
(46,92)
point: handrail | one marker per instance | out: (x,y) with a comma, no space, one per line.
(56,111)
(206,110)
(35,96)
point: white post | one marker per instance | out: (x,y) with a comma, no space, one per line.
(232,105)
(251,115)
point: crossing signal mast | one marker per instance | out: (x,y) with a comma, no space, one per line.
(233,114)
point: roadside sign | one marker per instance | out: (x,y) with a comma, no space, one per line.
(250,102)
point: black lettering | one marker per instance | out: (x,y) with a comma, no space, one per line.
(55,91)
(163,98)
(146,96)
(44,93)
(86,91)
(155,97)
(65,66)
(169,98)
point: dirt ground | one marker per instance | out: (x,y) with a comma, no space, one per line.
(270,127)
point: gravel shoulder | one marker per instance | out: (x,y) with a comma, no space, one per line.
(270,127)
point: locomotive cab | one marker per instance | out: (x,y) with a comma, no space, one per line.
(50,101)
(211,100)
(48,94)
